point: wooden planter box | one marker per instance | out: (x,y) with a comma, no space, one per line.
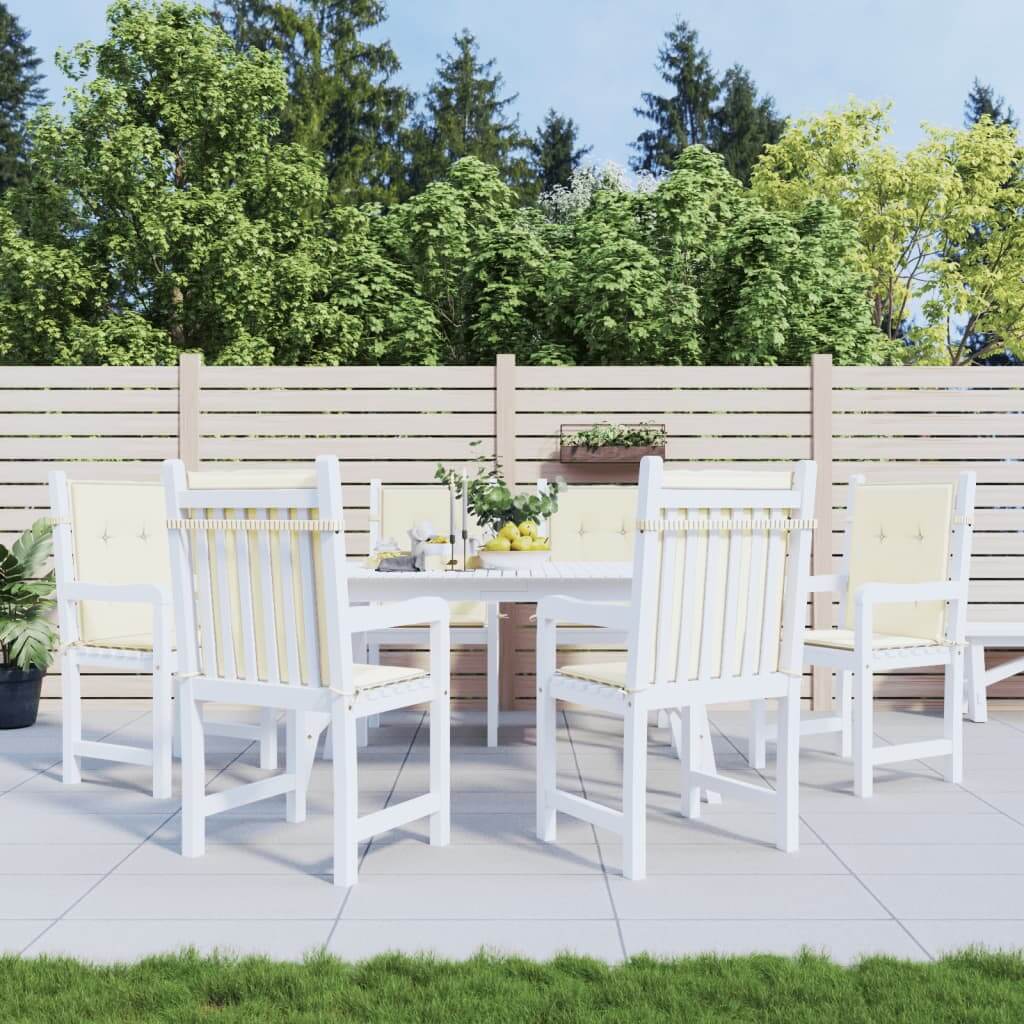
(607,453)
(604,453)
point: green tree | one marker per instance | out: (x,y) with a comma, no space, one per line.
(163,216)
(19,93)
(466,115)
(982,101)
(727,115)
(554,151)
(685,117)
(743,123)
(937,230)
(343,103)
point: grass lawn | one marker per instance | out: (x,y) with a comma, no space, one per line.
(967,987)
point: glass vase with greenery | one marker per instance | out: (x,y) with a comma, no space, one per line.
(492,501)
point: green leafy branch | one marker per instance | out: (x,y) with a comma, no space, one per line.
(623,435)
(493,503)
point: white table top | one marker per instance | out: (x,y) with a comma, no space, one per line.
(536,570)
(995,630)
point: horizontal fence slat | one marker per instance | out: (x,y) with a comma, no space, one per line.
(328,400)
(341,425)
(315,377)
(663,377)
(88,377)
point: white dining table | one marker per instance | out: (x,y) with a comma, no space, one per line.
(587,581)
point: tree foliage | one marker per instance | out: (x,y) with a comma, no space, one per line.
(939,231)
(724,114)
(20,91)
(555,152)
(982,101)
(343,104)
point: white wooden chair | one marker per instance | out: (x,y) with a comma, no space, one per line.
(394,509)
(114,612)
(263,619)
(903,590)
(718,594)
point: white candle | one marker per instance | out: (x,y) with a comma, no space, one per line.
(451,511)
(465,501)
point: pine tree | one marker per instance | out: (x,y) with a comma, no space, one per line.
(743,123)
(465,116)
(554,153)
(19,93)
(725,114)
(685,117)
(343,102)
(982,100)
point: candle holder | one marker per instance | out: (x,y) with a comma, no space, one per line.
(453,561)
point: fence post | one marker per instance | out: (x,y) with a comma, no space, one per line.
(821,561)
(190,365)
(505,456)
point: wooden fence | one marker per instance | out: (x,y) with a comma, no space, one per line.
(398,422)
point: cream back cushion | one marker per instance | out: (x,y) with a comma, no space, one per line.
(120,537)
(594,524)
(744,557)
(900,533)
(402,507)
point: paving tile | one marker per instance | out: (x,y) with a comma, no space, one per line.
(232,859)
(16,935)
(215,897)
(843,941)
(964,895)
(944,937)
(86,798)
(537,939)
(849,827)
(74,830)
(524,897)
(744,897)
(407,856)
(41,896)
(125,941)
(63,859)
(18,769)
(932,858)
(726,858)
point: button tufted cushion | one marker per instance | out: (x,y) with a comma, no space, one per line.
(594,524)
(900,533)
(119,538)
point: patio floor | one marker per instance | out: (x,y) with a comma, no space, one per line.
(925,867)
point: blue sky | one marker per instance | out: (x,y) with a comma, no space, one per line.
(591,59)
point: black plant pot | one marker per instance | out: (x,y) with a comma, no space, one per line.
(19,696)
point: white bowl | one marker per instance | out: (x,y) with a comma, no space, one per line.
(512,559)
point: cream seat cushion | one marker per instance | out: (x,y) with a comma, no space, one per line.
(369,677)
(842,639)
(609,673)
(120,537)
(401,507)
(900,533)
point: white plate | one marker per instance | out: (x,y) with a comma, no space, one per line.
(512,559)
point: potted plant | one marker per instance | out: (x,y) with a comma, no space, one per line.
(611,442)
(510,521)
(27,637)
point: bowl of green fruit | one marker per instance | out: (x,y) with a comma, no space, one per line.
(515,546)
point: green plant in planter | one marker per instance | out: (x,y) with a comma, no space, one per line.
(493,502)
(27,637)
(620,435)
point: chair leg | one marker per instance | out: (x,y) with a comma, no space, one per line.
(788,770)
(952,716)
(328,743)
(758,741)
(977,696)
(845,698)
(268,739)
(440,767)
(295,733)
(363,731)
(863,732)
(346,795)
(685,727)
(71,711)
(193,774)
(634,795)
(163,732)
(547,772)
(493,663)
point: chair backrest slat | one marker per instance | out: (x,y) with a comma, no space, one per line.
(257,568)
(722,562)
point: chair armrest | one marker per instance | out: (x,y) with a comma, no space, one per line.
(414,612)
(833,582)
(560,609)
(124,593)
(905,593)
